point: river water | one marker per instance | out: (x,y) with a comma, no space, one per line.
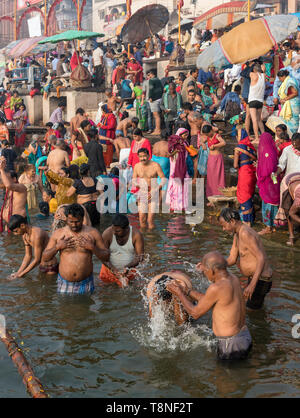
(106,346)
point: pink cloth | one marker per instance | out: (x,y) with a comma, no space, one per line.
(177,193)
(215,175)
(266,165)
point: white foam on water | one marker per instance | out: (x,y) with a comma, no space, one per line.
(2,326)
(163,334)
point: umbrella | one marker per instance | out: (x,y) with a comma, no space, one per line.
(223,15)
(248,41)
(144,23)
(185,24)
(70,35)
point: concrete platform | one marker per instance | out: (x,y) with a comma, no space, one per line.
(40,109)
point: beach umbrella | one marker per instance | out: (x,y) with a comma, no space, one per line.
(248,41)
(145,23)
(71,35)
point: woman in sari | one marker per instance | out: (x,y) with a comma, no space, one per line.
(244,158)
(140,106)
(20,121)
(7,109)
(15,101)
(107,125)
(268,190)
(177,193)
(209,99)
(290,103)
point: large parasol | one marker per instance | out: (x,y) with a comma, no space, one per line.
(248,41)
(71,35)
(145,23)
(223,15)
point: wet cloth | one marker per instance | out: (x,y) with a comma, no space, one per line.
(263,287)
(236,347)
(269,213)
(83,287)
(246,177)
(266,165)
(215,174)
(122,255)
(202,158)
(107,276)
(164,162)
(177,192)
(176,143)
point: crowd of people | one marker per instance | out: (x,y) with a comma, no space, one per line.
(156,137)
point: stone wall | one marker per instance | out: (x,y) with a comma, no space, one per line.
(40,109)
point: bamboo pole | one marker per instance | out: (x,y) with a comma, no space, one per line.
(32,383)
(15,27)
(78,22)
(45,30)
(248,10)
(179,24)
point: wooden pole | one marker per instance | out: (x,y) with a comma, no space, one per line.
(179,23)
(15,28)
(32,383)
(45,30)
(248,10)
(78,21)
(15,21)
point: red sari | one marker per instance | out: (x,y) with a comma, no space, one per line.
(247,171)
(108,126)
(8,112)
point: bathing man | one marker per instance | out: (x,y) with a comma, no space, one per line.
(76,243)
(225,297)
(126,246)
(253,261)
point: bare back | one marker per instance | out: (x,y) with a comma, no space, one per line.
(57,159)
(229,311)
(160,149)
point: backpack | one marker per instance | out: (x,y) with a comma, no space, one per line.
(231,109)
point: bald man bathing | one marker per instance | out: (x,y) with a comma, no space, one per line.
(225,297)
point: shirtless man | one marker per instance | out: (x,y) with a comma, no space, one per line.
(157,292)
(225,297)
(121,143)
(15,199)
(253,261)
(126,246)
(147,170)
(113,102)
(125,124)
(35,239)
(58,158)
(77,244)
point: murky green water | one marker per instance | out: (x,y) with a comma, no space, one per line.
(105,345)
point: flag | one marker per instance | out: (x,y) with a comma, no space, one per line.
(180,4)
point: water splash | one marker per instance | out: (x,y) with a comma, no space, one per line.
(163,334)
